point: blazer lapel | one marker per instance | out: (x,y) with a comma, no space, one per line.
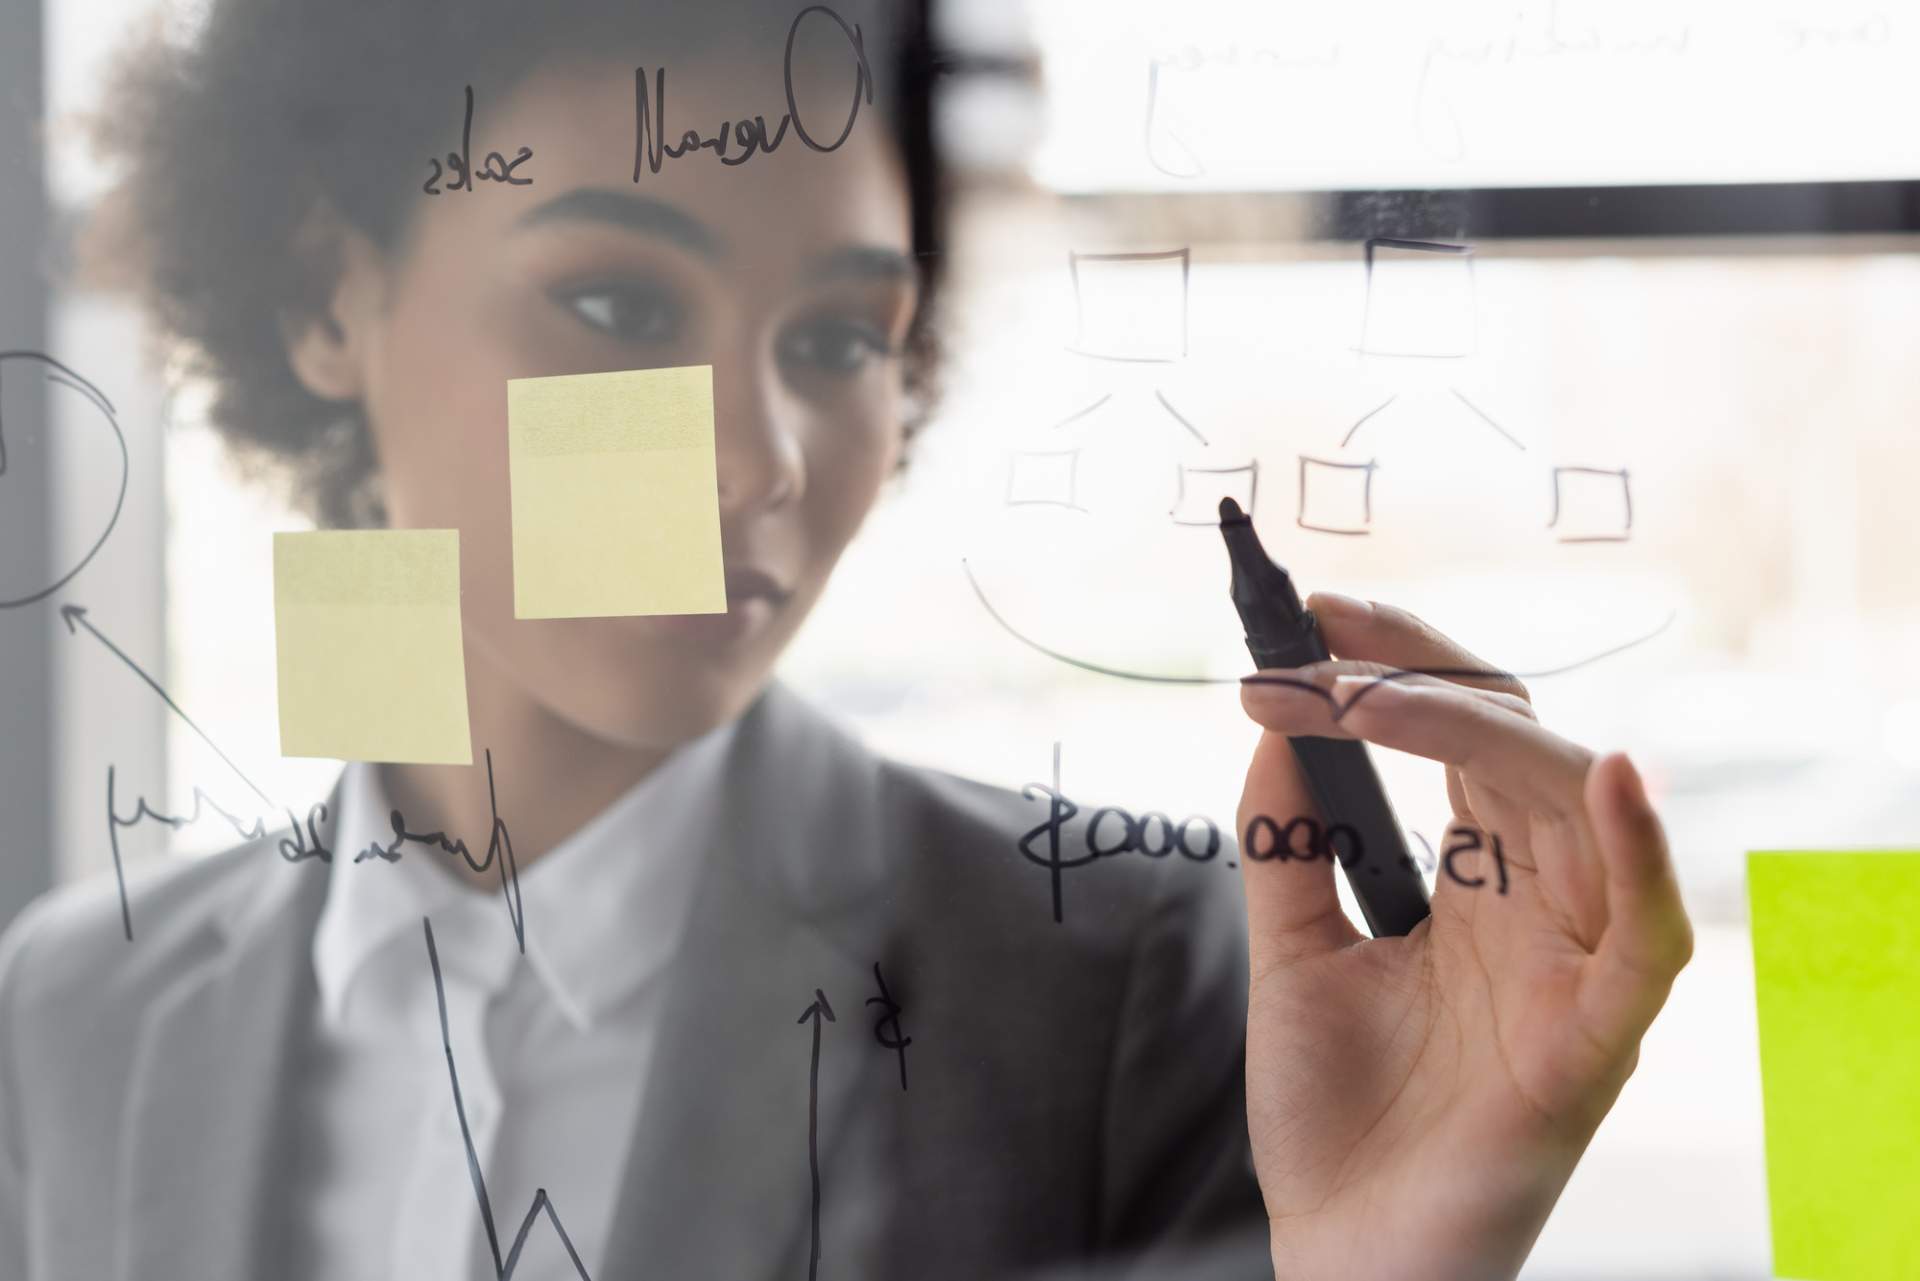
(718,1179)
(209,1064)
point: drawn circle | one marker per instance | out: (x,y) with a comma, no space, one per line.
(1130,838)
(67,377)
(1314,846)
(1252,847)
(863,78)
(1213,838)
(1166,829)
(1356,852)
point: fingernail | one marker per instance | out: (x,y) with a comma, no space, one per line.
(1339,606)
(1633,785)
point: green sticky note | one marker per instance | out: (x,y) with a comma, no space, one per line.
(615,495)
(367,628)
(1836,966)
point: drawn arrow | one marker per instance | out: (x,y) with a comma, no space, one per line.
(817,1011)
(75,617)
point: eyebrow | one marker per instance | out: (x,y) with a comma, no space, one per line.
(654,217)
(862,262)
(634,213)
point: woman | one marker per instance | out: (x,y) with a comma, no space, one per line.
(765,997)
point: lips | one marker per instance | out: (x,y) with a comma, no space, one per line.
(754,599)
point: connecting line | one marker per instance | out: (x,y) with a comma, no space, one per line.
(1487,418)
(1361,421)
(75,616)
(1181,419)
(503,1270)
(1078,414)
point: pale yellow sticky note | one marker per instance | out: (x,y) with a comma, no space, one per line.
(1836,968)
(367,625)
(616,506)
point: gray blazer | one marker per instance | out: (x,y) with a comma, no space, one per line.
(1074,1099)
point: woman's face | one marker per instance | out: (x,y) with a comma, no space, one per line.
(790,275)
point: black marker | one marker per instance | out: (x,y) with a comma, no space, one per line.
(1282,633)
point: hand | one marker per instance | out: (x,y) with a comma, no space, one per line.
(1417,1104)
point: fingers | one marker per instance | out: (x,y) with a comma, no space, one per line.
(1482,734)
(1648,939)
(1293,909)
(1389,635)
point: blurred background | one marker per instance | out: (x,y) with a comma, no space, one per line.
(1647,377)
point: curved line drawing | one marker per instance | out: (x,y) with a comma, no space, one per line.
(67,377)
(1262,678)
(1146,135)
(1361,421)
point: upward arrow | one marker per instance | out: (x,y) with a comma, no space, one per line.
(75,617)
(817,1011)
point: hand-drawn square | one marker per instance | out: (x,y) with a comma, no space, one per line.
(1344,492)
(1130,307)
(1198,491)
(1044,478)
(1597,503)
(1420,299)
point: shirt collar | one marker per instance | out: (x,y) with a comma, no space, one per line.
(603,911)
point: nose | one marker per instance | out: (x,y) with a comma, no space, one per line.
(757,445)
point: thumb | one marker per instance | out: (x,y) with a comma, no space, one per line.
(1293,909)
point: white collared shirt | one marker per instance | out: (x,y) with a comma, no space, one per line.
(553,1048)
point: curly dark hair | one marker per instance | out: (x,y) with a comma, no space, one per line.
(229,142)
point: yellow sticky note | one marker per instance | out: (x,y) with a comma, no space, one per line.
(616,505)
(1836,964)
(367,627)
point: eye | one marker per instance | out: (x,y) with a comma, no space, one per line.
(832,345)
(634,312)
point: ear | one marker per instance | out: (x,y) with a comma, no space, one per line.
(329,340)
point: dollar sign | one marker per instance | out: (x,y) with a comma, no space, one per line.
(889,1016)
(1060,810)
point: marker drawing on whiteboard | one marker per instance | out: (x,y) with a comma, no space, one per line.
(65,377)
(1619,535)
(1487,418)
(1361,421)
(817,1011)
(542,1204)
(897,1041)
(1366,471)
(1337,708)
